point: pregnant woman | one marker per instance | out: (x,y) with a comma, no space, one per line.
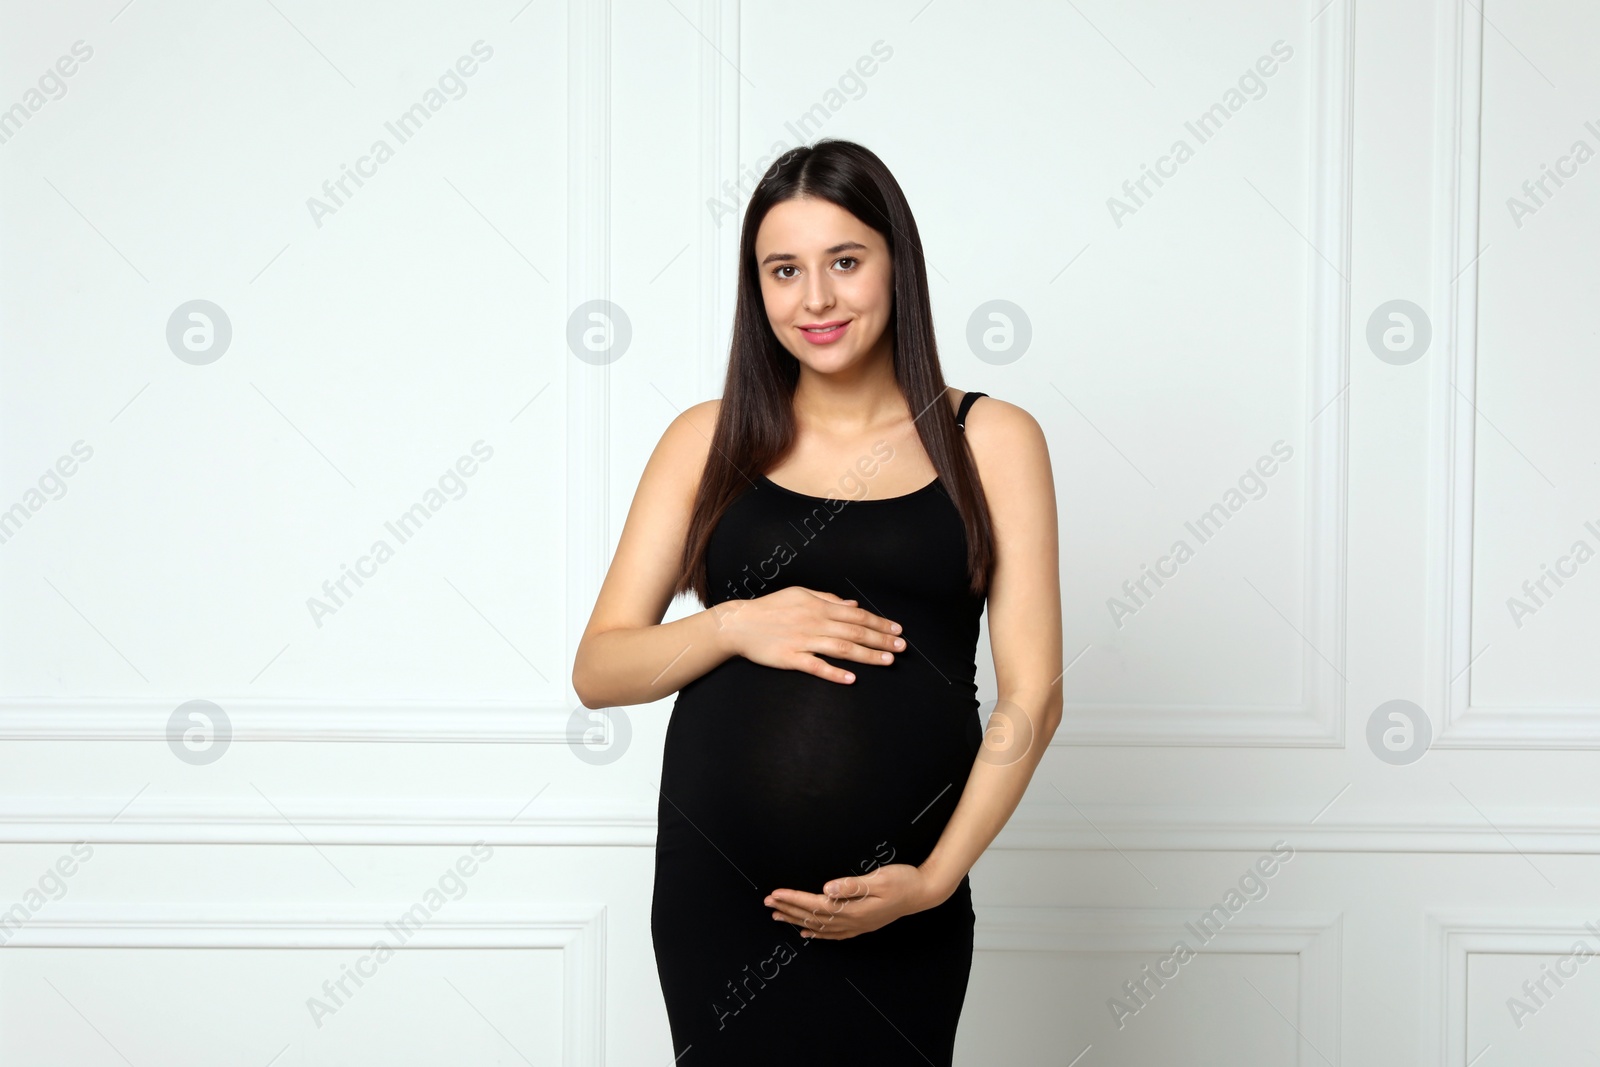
(827,781)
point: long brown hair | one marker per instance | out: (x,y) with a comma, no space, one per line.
(756,425)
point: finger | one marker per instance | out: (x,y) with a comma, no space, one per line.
(805,921)
(844,648)
(836,913)
(805,902)
(804,917)
(850,887)
(831,597)
(865,636)
(814,917)
(867,618)
(822,668)
(837,930)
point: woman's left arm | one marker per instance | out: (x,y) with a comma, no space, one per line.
(1013,464)
(1024,634)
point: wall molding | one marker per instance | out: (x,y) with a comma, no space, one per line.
(1317,720)
(588,387)
(1551,828)
(719,168)
(630,822)
(587,546)
(1452,936)
(576,929)
(434,721)
(1315,938)
(1452,466)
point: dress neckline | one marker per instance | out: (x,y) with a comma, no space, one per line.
(849,500)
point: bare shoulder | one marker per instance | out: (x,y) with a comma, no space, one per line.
(1009,447)
(680,456)
(702,416)
(997,427)
(639,584)
(990,415)
(694,423)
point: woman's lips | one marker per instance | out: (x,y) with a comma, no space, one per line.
(825,337)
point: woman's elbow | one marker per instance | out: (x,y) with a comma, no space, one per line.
(582,682)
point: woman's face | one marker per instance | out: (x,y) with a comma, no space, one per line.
(820,266)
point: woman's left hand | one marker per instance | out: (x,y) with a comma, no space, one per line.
(856,904)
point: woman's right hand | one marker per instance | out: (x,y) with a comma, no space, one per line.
(787,628)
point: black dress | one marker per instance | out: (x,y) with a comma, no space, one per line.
(776,778)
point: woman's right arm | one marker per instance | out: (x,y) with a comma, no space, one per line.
(628,656)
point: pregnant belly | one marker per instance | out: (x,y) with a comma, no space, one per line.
(793,774)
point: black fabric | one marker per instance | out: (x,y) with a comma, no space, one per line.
(776,778)
(966,405)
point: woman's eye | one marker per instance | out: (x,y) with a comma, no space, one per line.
(777,272)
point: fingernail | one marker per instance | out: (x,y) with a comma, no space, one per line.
(895,627)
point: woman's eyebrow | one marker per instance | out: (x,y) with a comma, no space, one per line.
(848,246)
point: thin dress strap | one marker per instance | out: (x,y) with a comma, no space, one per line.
(966,405)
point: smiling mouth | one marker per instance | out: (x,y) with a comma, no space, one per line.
(825,333)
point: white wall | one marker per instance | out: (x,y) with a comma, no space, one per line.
(351,758)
